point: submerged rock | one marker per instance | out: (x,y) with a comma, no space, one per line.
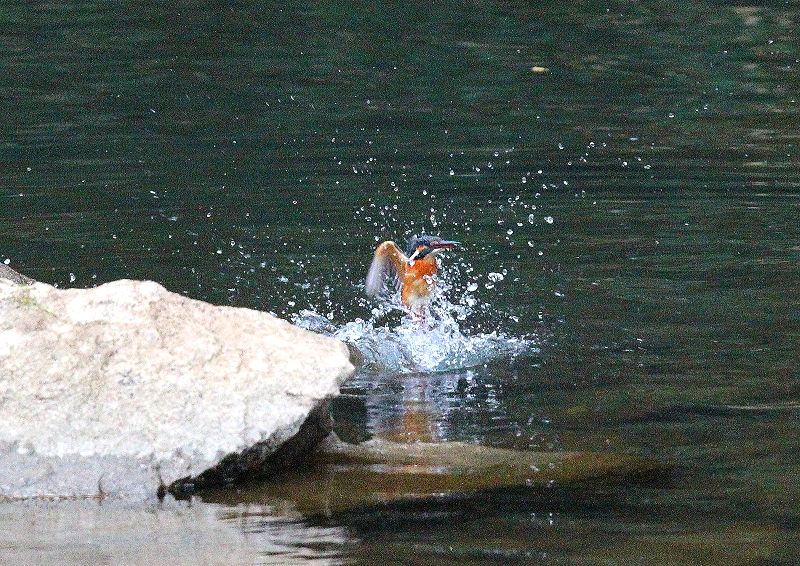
(356,477)
(458,466)
(128,387)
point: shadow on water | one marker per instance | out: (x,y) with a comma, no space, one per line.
(599,521)
(382,506)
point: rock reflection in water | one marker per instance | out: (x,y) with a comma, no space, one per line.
(86,532)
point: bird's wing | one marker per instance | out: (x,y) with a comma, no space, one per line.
(388,258)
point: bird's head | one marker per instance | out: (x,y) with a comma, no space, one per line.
(420,246)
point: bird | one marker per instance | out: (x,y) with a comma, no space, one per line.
(415,269)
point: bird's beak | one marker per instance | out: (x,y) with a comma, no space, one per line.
(444,244)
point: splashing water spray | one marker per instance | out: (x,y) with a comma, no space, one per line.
(428,336)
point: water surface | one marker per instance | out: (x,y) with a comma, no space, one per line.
(630,214)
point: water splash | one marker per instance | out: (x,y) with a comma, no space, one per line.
(393,340)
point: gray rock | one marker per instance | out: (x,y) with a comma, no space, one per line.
(128,388)
(13,276)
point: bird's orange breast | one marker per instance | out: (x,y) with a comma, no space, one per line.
(418,280)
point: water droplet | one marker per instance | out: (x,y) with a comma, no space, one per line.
(72,278)
(548,219)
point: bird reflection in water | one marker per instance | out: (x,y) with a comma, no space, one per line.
(416,271)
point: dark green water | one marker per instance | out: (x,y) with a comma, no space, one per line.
(250,153)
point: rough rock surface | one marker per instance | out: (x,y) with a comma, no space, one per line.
(128,386)
(8,273)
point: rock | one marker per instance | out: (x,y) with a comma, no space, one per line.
(11,275)
(355,477)
(128,387)
(463,467)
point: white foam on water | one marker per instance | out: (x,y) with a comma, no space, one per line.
(437,342)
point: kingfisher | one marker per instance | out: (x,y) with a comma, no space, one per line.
(415,269)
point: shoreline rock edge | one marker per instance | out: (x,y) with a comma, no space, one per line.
(127,388)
